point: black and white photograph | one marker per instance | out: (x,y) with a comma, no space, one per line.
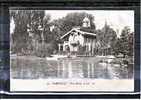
(72,50)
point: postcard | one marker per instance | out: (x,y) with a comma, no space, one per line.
(72,50)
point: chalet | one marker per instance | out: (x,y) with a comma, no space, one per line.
(79,39)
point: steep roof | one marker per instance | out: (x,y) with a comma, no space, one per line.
(100,44)
(83,32)
(87,29)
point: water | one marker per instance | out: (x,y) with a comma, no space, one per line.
(85,67)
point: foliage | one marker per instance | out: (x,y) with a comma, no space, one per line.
(71,20)
(124,44)
(20,33)
(45,49)
(32,28)
(33,34)
(108,36)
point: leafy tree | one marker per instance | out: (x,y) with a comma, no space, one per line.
(31,29)
(131,46)
(71,20)
(108,34)
(117,47)
(46,34)
(127,41)
(39,27)
(99,34)
(35,23)
(124,44)
(20,33)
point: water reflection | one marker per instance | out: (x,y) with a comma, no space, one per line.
(68,68)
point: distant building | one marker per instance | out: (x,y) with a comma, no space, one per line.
(79,39)
(86,22)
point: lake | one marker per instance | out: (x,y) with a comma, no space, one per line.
(23,67)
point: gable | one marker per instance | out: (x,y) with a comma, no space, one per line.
(79,31)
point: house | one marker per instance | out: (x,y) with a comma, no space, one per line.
(79,39)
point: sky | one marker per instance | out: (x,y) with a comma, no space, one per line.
(117,19)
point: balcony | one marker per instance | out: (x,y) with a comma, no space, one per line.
(74,42)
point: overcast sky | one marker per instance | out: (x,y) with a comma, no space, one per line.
(117,19)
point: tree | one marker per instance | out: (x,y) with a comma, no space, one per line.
(35,23)
(117,47)
(20,33)
(46,34)
(127,41)
(108,36)
(124,44)
(71,20)
(99,34)
(31,28)
(131,46)
(39,28)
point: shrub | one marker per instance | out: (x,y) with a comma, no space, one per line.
(45,49)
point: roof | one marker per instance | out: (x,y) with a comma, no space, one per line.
(102,45)
(88,29)
(79,30)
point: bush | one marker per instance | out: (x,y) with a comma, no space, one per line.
(45,49)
